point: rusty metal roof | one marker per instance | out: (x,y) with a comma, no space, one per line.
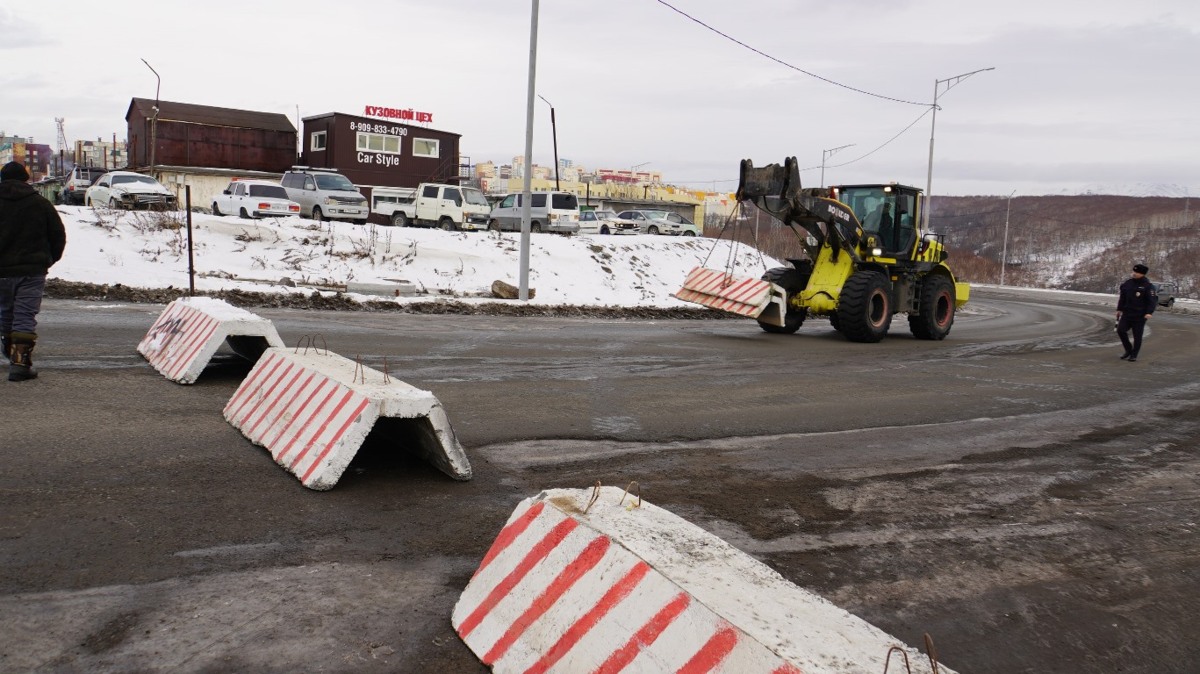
(209,115)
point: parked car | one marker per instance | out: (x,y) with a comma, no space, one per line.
(254,199)
(556,212)
(660,222)
(81,178)
(1166,293)
(605,222)
(126,189)
(325,194)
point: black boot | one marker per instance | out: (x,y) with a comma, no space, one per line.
(20,358)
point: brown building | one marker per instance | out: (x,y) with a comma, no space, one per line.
(379,152)
(203,136)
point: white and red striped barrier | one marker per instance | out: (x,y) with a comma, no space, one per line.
(191,329)
(609,587)
(313,409)
(720,290)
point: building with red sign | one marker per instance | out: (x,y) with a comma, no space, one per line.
(383,151)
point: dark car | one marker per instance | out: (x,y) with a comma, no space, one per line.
(1166,293)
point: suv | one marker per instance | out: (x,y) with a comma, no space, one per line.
(80,179)
(325,194)
(1166,293)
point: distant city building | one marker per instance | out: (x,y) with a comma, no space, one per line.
(35,157)
(102,153)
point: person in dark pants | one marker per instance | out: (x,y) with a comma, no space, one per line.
(1136,302)
(32,238)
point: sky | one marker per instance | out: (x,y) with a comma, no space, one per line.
(230,253)
(1083,96)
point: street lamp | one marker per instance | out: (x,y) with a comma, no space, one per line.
(554,132)
(154,122)
(950,83)
(1004,254)
(825,154)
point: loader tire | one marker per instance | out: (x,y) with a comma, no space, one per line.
(790,280)
(865,307)
(935,316)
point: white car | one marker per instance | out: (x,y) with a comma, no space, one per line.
(661,222)
(605,222)
(126,189)
(254,199)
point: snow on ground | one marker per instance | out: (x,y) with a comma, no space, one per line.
(149,250)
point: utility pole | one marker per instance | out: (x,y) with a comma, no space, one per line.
(1004,255)
(554,134)
(154,121)
(829,153)
(527,189)
(950,83)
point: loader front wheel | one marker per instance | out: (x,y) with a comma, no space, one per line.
(936,313)
(791,323)
(865,307)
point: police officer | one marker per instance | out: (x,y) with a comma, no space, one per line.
(1136,302)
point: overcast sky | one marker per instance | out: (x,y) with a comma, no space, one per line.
(1086,95)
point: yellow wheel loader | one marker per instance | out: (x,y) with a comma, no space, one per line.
(867,260)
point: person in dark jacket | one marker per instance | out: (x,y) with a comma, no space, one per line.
(1136,302)
(32,238)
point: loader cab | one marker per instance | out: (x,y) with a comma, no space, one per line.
(888,212)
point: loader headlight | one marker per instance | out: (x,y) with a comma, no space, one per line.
(877,252)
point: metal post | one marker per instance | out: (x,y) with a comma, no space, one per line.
(830,153)
(950,83)
(1004,254)
(154,121)
(187,203)
(554,134)
(527,189)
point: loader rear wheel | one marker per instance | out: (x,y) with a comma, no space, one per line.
(936,313)
(865,307)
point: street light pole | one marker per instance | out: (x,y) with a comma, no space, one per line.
(1004,254)
(527,189)
(950,83)
(554,133)
(825,154)
(154,121)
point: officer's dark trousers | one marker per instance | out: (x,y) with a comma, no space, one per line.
(1136,325)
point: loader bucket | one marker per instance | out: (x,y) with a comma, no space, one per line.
(773,188)
(720,290)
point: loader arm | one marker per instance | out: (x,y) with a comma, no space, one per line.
(776,190)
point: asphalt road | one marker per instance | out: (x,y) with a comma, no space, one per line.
(1015,491)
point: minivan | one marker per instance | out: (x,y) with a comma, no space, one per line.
(556,212)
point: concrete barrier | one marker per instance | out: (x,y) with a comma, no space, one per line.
(743,296)
(607,587)
(313,409)
(191,329)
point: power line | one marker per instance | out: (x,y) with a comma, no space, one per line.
(852,161)
(785,63)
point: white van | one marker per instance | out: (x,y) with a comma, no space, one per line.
(556,212)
